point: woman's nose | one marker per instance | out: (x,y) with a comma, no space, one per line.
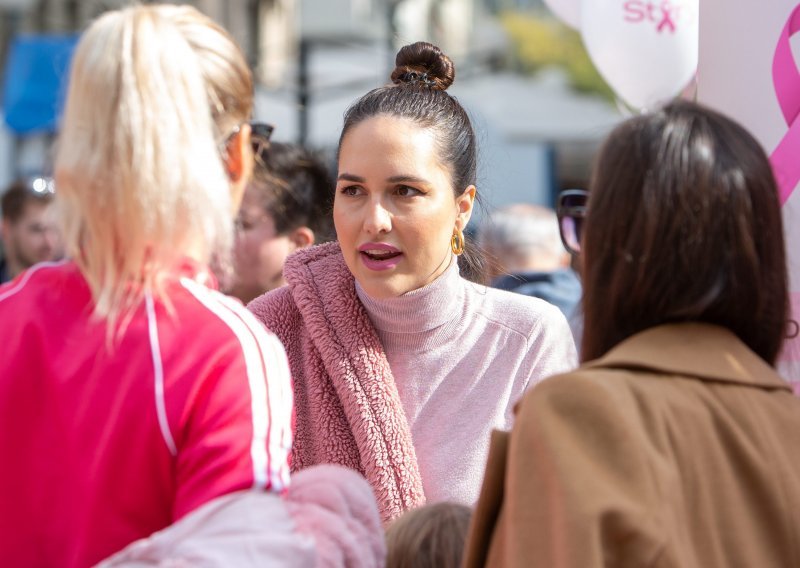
(378,220)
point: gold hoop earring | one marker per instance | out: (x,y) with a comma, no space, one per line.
(457,242)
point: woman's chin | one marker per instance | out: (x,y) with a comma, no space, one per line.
(384,286)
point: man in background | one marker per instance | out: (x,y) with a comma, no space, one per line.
(286,206)
(29,230)
(526,256)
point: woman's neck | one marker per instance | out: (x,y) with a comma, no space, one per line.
(420,310)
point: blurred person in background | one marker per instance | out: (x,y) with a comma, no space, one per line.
(286,207)
(29,229)
(527,256)
(675,443)
(401,366)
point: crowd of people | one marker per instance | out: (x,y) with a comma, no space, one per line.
(226,356)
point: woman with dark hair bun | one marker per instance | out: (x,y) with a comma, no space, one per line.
(676,443)
(401,366)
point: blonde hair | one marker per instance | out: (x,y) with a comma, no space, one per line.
(154,92)
(432,536)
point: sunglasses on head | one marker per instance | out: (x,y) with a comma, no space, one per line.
(571,210)
(260,134)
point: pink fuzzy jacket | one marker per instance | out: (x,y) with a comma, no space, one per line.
(328,330)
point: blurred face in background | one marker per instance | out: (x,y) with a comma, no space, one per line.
(32,238)
(260,251)
(395,209)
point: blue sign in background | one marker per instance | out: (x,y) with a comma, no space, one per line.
(35,85)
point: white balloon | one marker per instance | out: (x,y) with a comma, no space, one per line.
(568,11)
(646,50)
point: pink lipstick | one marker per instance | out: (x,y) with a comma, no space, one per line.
(379,256)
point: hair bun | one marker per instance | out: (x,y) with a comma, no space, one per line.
(423,63)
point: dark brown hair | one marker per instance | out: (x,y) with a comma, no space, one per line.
(683,224)
(421,76)
(17,196)
(294,187)
(432,536)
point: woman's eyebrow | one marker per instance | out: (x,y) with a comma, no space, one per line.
(351,177)
(406,178)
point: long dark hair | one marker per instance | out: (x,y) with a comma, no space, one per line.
(683,224)
(420,79)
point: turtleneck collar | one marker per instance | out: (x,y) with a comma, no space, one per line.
(420,310)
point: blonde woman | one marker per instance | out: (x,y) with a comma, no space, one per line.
(131,391)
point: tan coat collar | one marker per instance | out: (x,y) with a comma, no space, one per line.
(708,352)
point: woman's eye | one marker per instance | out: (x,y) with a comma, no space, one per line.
(407,191)
(350,190)
(242,225)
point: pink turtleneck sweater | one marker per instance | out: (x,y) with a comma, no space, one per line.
(462,355)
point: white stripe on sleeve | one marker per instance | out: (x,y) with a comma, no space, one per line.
(27,276)
(279,383)
(158,374)
(270,403)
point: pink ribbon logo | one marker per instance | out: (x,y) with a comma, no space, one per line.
(667,21)
(785,159)
(637,11)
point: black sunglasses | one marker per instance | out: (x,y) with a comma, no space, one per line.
(571,210)
(260,134)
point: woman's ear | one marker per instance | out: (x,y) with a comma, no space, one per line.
(239,162)
(465,203)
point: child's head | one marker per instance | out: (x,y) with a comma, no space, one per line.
(430,536)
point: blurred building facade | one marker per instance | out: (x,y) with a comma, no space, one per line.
(312,58)
(271,32)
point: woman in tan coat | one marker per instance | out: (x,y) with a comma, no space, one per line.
(676,443)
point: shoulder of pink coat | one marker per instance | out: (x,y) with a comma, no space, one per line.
(266,305)
(328,255)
